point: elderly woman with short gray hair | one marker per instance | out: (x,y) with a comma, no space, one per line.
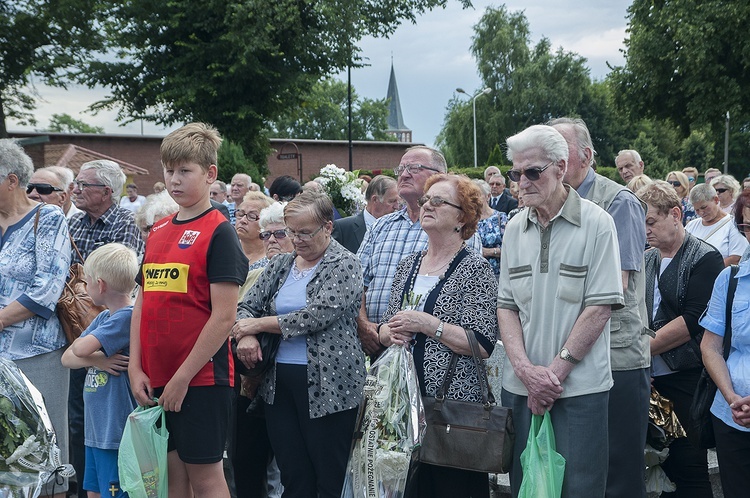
(34,261)
(714,225)
(727,188)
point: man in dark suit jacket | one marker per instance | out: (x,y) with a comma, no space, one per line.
(500,198)
(382,198)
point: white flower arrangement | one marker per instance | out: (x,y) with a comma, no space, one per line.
(343,188)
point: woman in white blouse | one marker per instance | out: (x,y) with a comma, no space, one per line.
(714,225)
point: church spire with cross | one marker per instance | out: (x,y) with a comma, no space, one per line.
(396,126)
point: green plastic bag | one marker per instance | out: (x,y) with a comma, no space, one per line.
(142,460)
(543,467)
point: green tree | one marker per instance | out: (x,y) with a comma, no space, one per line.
(324,115)
(237,65)
(697,151)
(232,160)
(40,41)
(65,123)
(529,85)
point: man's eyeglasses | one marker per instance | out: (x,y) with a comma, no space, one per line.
(42,188)
(278,234)
(436,201)
(721,190)
(238,215)
(532,174)
(82,185)
(412,168)
(302,236)
(675,183)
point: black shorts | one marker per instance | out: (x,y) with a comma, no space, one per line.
(199,430)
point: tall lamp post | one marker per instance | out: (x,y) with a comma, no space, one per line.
(474,112)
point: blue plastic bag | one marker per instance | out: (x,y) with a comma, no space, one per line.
(543,467)
(142,459)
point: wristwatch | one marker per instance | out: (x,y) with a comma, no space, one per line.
(439,331)
(565,355)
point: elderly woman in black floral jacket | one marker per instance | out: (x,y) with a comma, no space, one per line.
(311,297)
(436,296)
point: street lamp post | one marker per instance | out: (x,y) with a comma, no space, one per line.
(474,113)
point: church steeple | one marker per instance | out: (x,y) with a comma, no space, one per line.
(396,126)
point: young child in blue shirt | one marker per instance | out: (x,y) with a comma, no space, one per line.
(110,274)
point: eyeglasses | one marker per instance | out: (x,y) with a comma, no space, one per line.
(674,183)
(743,227)
(412,168)
(82,185)
(436,201)
(279,234)
(302,236)
(532,174)
(238,215)
(42,188)
(721,190)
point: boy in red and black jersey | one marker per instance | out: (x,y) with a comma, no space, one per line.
(180,351)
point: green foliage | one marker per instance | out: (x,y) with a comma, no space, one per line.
(610,172)
(41,41)
(65,123)
(529,85)
(496,157)
(237,65)
(697,151)
(324,115)
(232,160)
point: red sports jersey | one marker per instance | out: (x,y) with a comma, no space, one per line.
(177,300)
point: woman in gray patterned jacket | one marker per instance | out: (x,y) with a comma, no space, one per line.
(436,296)
(312,391)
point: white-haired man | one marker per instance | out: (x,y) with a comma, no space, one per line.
(559,280)
(629,164)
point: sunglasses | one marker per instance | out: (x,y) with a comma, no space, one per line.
(674,183)
(279,234)
(721,190)
(532,174)
(436,201)
(42,188)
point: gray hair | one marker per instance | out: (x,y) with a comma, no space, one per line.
(378,186)
(244,177)
(583,137)
(731,183)
(436,158)
(222,186)
(483,185)
(13,160)
(156,207)
(110,174)
(272,214)
(544,137)
(64,176)
(633,153)
(500,177)
(493,169)
(702,193)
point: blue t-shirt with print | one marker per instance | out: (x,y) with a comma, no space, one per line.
(107,398)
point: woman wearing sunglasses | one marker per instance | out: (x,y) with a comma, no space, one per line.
(314,385)
(437,296)
(727,189)
(34,262)
(681,185)
(714,225)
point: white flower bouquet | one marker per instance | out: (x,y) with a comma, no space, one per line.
(344,189)
(389,431)
(28,451)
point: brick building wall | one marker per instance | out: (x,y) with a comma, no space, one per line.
(143,151)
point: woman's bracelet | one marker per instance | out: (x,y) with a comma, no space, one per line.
(378,332)
(497,252)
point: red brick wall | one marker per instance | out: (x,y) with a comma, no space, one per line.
(143,151)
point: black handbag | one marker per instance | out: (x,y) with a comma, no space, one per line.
(685,356)
(269,346)
(465,435)
(700,429)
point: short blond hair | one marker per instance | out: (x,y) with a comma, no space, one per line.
(115,264)
(195,142)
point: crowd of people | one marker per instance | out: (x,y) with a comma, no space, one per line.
(600,293)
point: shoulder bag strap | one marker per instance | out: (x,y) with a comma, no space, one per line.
(488,398)
(730,299)
(718,227)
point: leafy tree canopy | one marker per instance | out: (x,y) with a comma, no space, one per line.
(237,65)
(40,41)
(231,160)
(324,114)
(65,123)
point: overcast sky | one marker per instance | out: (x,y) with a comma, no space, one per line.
(431,59)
